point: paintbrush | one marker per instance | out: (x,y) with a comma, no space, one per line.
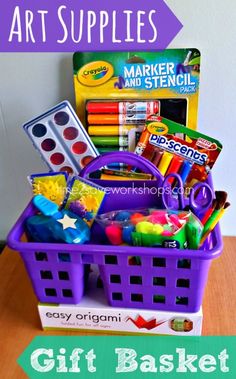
(217,204)
(215,218)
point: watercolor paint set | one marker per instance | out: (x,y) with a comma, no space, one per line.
(61,139)
(117,91)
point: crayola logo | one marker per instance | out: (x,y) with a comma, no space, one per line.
(95,73)
(157,128)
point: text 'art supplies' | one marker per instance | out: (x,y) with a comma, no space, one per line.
(151,227)
(61,139)
(192,156)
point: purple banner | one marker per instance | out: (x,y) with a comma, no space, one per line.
(86,25)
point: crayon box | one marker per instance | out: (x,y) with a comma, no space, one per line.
(117,91)
(94,314)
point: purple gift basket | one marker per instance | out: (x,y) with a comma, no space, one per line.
(158,279)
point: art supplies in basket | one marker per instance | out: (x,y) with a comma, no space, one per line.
(51,185)
(61,139)
(192,156)
(54,225)
(168,279)
(152,228)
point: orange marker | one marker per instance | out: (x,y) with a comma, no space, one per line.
(143,141)
(116,119)
(174,167)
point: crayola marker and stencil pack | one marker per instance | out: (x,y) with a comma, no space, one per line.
(117,91)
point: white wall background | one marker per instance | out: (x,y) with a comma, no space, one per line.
(32,83)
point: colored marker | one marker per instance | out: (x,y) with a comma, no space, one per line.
(165,162)
(143,141)
(112,130)
(157,157)
(174,167)
(123,107)
(116,119)
(117,166)
(110,141)
(185,170)
(128,174)
(112,148)
(119,175)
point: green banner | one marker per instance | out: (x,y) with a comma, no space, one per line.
(130,357)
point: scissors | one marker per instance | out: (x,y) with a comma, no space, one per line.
(173,196)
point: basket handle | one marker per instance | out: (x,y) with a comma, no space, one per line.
(125,157)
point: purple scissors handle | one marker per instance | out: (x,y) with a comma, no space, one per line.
(200,198)
(173,192)
(173,196)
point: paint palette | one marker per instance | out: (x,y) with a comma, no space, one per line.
(61,139)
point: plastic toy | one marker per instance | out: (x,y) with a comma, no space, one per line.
(56,226)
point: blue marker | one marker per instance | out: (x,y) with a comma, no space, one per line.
(185,170)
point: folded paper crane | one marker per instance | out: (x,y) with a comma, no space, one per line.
(141,323)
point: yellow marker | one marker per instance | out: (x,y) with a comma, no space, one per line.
(165,162)
(118,178)
(111,130)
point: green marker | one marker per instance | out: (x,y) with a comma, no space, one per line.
(110,149)
(110,141)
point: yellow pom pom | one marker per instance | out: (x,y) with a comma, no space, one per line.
(144,227)
(158,229)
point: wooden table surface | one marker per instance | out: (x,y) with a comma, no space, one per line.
(19,320)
